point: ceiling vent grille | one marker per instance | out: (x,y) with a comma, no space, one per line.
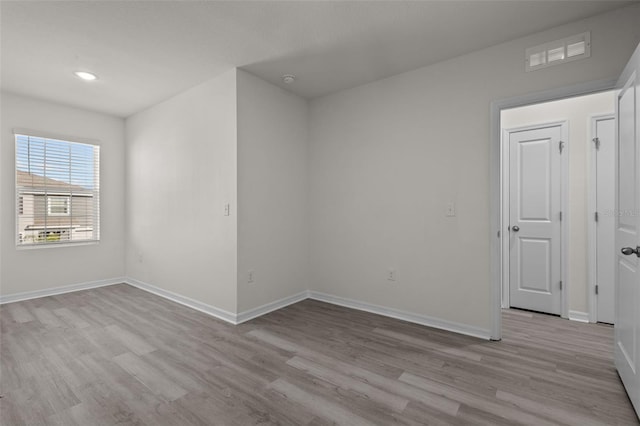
(558,52)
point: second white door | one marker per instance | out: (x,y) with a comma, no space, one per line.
(535,177)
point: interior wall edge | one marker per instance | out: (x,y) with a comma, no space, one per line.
(250,314)
(221,314)
(272,194)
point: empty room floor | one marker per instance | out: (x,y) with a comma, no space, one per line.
(119,355)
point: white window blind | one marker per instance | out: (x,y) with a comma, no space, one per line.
(57,191)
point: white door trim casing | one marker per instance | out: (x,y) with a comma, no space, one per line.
(592,300)
(564,195)
(495,178)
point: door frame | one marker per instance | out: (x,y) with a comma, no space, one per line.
(505,236)
(496,220)
(592,228)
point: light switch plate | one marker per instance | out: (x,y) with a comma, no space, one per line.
(451,209)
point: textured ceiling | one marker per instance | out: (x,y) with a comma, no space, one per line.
(145,52)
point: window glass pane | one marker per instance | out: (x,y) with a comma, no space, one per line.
(556,54)
(575,49)
(537,59)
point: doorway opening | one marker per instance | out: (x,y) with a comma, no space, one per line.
(558,160)
(547,162)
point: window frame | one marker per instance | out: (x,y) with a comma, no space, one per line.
(22,240)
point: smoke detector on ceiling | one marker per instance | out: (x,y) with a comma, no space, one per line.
(288,78)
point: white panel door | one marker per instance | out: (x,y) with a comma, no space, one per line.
(534,219)
(605,135)
(627,321)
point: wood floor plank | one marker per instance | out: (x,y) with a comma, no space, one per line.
(19,312)
(394,386)
(120,356)
(135,343)
(71,318)
(250,400)
(505,411)
(153,378)
(548,410)
(379,396)
(429,345)
(318,406)
(47,318)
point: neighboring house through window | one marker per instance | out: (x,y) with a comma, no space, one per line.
(58,206)
(57,191)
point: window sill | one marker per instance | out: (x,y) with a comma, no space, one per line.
(56,245)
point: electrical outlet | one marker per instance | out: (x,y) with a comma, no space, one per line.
(227,209)
(250,276)
(391,274)
(140,258)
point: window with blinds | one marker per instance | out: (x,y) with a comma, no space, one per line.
(57,191)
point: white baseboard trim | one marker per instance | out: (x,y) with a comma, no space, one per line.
(183,300)
(403,315)
(578,316)
(270,307)
(17,297)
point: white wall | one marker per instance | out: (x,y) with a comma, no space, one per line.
(578,113)
(387,157)
(181,171)
(272,192)
(33,269)
(384,159)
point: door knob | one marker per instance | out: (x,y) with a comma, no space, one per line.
(628,251)
(515,228)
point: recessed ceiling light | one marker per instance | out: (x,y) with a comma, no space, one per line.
(288,78)
(86,75)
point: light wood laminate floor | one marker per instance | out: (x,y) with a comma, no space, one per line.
(118,355)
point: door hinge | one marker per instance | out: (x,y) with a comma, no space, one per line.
(561,146)
(596,216)
(596,288)
(560,216)
(596,141)
(560,285)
